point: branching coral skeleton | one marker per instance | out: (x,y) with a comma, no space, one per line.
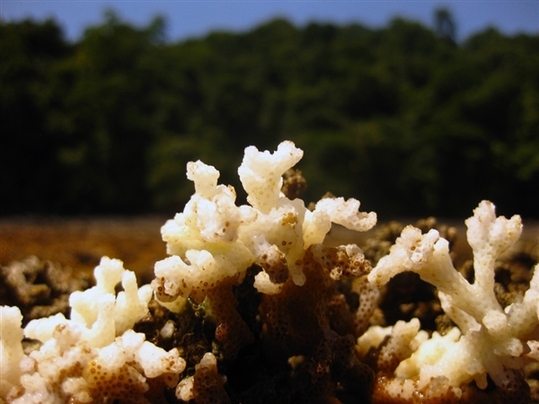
(492,339)
(213,243)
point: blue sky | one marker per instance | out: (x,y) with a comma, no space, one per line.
(195,18)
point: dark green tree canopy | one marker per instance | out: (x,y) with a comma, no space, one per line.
(402,117)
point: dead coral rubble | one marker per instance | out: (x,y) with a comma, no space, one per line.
(253,306)
(39,288)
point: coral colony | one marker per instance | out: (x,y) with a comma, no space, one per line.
(254,305)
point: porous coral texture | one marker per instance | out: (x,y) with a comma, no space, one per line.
(491,339)
(256,304)
(213,242)
(39,288)
(231,331)
(206,386)
(314,324)
(94,356)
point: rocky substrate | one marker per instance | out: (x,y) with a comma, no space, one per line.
(255,373)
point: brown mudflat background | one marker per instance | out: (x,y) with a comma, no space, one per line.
(81,242)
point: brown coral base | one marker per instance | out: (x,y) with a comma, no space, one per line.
(274,364)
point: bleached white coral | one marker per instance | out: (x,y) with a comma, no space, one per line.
(213,239)
(209,378)
(11,352)
(261,174)
(85,358)
(346,213)
(490,339)
(103,314)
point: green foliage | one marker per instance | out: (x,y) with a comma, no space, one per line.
(402,118)
(29,53)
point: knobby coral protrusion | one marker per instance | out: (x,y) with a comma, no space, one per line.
(95,355)
(255,301)
(213,241)
(490,339)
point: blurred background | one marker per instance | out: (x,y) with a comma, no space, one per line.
(414,108)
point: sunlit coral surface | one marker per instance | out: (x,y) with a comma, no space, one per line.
(255,304)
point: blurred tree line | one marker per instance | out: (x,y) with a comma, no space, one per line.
(401,117)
